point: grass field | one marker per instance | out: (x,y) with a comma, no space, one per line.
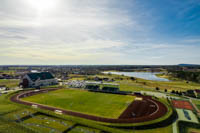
(193,130)
(10,72)
(197,103)
(11,127)
(167,129)
(9,111)
(100,104)
(18,114)
(81,129)
(83,101)
(6,106)
(126,84)
(169,85)
(9,82)
(5,125)
(46,124)
(142,84)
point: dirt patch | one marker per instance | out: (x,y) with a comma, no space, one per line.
(139,108)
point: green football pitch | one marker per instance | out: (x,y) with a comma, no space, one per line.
(99,104)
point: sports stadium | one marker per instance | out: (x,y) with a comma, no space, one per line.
(120,110)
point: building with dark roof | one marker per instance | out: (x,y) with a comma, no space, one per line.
(31,80)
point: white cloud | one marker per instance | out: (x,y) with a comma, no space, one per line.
(81,32)
(74,31)
(194,40)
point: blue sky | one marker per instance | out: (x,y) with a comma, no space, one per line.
(138,32)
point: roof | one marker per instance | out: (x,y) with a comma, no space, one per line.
(42,76)
(90,82)
(110,84)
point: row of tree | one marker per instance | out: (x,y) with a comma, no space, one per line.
(190,76)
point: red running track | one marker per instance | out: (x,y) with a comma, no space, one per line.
(125,117)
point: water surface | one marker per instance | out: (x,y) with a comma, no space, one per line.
(143,75)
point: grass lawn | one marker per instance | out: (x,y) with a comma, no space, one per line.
(6,124)
(9,110)
(197,103)
(193,130)
(11,127)
(167,129)
(198,106)
(126,84)
(180,85)
(10,72)
(81,129)
(169,85)
(45,124)
(17,114)
(142,84)
(101,104)
(9,82)
(133,86)
(5,105)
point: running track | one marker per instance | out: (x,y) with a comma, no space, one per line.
(160,111)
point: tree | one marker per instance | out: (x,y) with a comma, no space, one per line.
(132,78)
(157,88)
(198,79)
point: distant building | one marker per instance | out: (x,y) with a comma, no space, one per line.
(92,85)
(31,80)
(76,84)
(110,87)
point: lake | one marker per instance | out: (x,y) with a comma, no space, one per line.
(143,75)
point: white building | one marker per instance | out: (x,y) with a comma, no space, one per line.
(31,80)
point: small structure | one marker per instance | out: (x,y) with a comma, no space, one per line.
(32,80)
(93,85)
(109,87)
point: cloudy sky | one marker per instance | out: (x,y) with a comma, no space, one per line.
(99,32)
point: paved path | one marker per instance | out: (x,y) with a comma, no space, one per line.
(195,107)
(174,127)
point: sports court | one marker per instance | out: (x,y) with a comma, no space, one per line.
(182,104)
